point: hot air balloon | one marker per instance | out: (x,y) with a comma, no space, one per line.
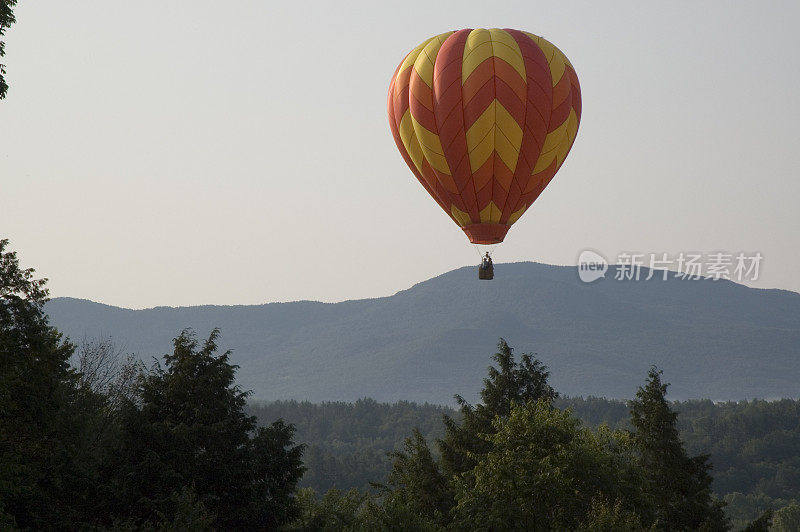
(484,119)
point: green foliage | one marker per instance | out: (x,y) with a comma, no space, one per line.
(743,509)
(546,472)
(348,444)
(48,455)
(751,442)
(509,383)
(190,513)
(596,411)
(537,467)
(6,20)
(392,514)
(603,517)
(417,483)
(350,511)
(335,511)
(787,519)
(189,429)
(754,446)
(172,448)
(425,488)
(762,524)
(680,486)
(115,446)
(419,493)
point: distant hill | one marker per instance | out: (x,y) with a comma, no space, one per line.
(713,339)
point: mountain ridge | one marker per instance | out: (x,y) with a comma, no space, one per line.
(715,339)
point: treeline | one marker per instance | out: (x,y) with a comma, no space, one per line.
(754,446)
(113,445)
(347,444)
(517,462)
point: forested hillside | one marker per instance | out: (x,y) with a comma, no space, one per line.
(754,445)
(92,440)
(108,444)
(347,443)
(715,339)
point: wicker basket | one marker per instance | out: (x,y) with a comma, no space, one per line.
(486,274)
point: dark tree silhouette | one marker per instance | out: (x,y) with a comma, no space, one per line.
(6,20)
(45,459)
(679,485)
(188,430)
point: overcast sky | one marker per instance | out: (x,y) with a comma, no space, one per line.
(196,152)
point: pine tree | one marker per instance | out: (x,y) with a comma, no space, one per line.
(417,483)
(787,519)
(508,383)
(762,524)
(680,486)
(45,462)
(188,430)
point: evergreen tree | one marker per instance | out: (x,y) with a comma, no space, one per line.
(787,519)
(421,485)
(508,383)
(335,511)
(417,482)
(47,459)
(680,486)
(188,430)
(762,524)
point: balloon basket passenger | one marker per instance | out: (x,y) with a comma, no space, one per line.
(486,269)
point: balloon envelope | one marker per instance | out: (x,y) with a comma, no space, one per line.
(484,119)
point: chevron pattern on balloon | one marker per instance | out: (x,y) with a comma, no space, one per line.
(485,118)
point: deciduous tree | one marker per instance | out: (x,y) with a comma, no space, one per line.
(547,472)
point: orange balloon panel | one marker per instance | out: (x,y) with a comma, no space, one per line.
(484,119)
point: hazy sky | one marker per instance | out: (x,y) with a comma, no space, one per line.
(190,152)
